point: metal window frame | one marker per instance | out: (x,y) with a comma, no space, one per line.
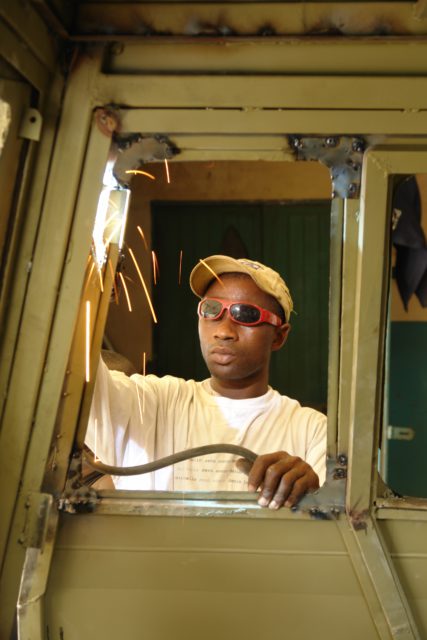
(361,308)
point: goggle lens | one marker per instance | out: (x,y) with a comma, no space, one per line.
(210,309)
(245,313)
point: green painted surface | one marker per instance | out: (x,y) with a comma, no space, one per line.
(408,407)
(294,239)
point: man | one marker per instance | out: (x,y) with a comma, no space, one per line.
(243,317)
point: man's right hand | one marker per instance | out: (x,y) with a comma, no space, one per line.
(282,479)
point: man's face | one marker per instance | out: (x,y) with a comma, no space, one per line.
(235,353)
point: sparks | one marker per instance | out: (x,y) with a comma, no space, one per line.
(116,295)
(125,290)
(87,340)
(212,272)
(168,178)
(101,284)
(180,267)
(141,233)
(92,267)
(143,284)
(141,173)
(155,266)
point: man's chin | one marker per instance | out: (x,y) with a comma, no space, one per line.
(224,372)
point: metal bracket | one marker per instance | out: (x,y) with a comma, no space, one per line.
(38,508)
(136,149)
(342,155)
(77,497)
(83,500)
(31,125)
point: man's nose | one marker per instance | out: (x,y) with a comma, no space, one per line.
(225,328)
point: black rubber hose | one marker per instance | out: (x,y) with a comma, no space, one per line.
(168,460)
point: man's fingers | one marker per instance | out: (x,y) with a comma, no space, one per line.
(286,485)
(263,469)
(284,479)
(307,484)
(281,478)
(244,466)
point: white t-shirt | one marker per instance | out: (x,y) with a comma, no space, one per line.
(139,419)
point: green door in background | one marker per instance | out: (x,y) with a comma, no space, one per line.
(407,409)
(291,238)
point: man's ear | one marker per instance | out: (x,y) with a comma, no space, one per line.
(281,336)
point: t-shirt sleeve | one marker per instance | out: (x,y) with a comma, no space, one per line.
(131,419)
(316,446)
(110,415)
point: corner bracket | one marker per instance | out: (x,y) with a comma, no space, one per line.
(342,155)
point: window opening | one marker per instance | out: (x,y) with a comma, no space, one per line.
(138,287)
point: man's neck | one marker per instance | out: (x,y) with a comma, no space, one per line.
(239,389)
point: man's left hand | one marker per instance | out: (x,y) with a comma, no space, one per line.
(283,479)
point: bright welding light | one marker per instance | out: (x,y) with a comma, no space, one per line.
(110,220)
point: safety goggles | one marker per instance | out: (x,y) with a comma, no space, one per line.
(245,313)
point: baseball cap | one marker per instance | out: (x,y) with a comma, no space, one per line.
(265,278)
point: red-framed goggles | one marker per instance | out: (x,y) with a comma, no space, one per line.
(245,313)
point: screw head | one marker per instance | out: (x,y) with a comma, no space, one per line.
(331,141)
(342,459)
(358,145)
(352,189)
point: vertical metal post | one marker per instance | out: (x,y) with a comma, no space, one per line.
(337,217)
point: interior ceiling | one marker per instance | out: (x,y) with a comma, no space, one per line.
(93,19)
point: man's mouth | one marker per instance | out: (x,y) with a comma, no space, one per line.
(219,355)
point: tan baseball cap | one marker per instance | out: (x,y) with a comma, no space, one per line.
(265,278)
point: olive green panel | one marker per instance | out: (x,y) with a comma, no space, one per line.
(379,56)
(284,92)
(162,578)
(406,542)
(257,123)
